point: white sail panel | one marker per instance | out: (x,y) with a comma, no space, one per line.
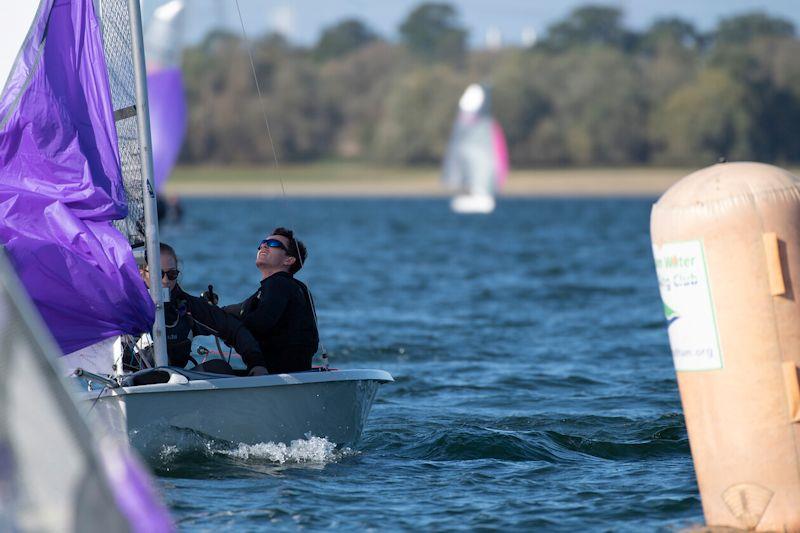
(17,18)
(102,358)
(469,164)
(164,36)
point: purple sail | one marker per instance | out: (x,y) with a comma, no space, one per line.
(167,120)
(61,184)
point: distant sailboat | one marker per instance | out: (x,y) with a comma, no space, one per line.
(168,111)
(476,162)
(163,43)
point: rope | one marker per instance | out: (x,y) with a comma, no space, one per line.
(324,354)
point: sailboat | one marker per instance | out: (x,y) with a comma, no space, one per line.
(163,40)
(78,204)
(476,161)
(168,113)
(87,485)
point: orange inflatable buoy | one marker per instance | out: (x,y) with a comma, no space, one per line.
(726,244)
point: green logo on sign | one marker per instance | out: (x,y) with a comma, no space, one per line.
(670,314)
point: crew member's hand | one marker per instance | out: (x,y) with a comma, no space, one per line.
(258,371)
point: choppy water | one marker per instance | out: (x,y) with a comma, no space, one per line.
(534,389)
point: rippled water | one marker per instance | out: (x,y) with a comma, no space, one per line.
(534,383)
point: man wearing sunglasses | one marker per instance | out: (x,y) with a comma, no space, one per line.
(280,314)
(186,316)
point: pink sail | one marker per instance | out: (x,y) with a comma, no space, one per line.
(500,154)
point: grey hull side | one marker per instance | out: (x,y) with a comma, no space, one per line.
(282,408)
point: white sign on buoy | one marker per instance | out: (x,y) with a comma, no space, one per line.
(688,307)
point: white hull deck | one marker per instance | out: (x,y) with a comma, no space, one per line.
(473,204)
(275,408)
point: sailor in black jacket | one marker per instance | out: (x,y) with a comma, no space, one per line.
(186,316)
(280,314)
(196,316)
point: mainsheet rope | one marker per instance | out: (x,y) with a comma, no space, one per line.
(324,353)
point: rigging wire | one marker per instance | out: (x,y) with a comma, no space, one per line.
(324,353)
(97,398)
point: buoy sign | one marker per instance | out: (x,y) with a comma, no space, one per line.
(688,307)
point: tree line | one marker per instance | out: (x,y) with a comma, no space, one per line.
(590,92)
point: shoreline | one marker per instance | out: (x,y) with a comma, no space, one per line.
(341,181)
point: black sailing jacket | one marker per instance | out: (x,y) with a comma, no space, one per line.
(280,317)
(189,314)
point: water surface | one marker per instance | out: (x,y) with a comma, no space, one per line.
(535,387)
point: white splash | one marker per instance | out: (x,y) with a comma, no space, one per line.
(167,453)
(309,450)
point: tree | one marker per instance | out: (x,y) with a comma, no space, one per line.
(520,106)
(601,107)
(342,38)
(705,120)
(587,26)
(432,31)
(417,116)
(354,87)
(744,28)
(670,34)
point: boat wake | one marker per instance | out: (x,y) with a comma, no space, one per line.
(197,453)
(310,450)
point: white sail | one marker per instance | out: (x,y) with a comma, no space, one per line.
(164,36)
(17,18)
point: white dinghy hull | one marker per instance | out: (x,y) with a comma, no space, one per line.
(473,204)
(276,408)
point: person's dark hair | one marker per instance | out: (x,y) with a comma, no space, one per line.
(295,246)
(165,248)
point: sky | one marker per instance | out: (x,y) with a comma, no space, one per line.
(302,20)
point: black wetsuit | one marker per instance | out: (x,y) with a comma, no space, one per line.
(186,315)
(280,317)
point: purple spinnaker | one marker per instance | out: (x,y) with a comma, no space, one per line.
(61,183)
(167,120)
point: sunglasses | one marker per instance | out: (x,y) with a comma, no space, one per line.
(172,274)
(273,243)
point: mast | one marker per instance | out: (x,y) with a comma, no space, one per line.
(150,209)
